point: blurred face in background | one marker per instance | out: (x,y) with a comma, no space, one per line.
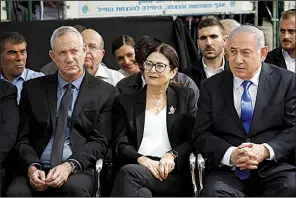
(211,41)
(125,57)
(13,59)
(287,34)
(95,53)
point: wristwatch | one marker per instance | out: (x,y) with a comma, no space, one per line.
(74,167)
(173,153)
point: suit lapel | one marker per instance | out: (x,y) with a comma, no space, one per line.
(82,96)
(280,58)
(140,107)
(227,92)
(51,88)
(263,94)
(171,107)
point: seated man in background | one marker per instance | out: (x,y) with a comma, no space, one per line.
(246,123)
(136,81)
(13,61)
(94,56)
(285,55)
(229,25)
(211,42)
(63,121)
(9,122)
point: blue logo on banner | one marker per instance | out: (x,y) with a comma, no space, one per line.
(232,4)
(86,8)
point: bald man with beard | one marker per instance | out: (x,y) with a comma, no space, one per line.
(94,56)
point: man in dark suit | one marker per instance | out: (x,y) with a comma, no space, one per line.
(285,55)
(9,121)
(246,123)
(211,42)
(64,120)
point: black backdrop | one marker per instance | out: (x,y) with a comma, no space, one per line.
(38,33)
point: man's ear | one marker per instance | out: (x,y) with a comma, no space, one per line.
(103,53)
(52,55)
(264,52)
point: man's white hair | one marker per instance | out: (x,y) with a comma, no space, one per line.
(258,34)
(63,30)
(229,25)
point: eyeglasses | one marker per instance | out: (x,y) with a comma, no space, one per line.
(159,67)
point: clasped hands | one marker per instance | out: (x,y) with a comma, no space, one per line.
(249,155)
(159,169)
(55,178)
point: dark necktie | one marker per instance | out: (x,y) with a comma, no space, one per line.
(61,125)
(246,118)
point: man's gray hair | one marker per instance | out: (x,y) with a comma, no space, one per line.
(63,30)
(259,35)
(229,25)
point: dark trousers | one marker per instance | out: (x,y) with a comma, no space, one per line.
(224,183)
(81,184)
(135,180)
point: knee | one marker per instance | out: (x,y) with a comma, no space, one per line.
(73,189)
(18,191)
(219,189)
(128,169)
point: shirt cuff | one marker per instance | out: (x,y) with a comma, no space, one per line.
(37,165)
(79,167)
(226,158)
(271,152)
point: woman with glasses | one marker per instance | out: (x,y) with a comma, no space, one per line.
(124,52)
(152,132)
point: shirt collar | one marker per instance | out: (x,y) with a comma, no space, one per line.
(207,67)
(22,76)
(101,71)
(76,83)
(237,82)
(143,80)
(286,54)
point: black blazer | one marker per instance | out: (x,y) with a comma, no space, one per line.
(9,121)
(196,71)
(129,118)
(91,119)
(218,126)
(276,57)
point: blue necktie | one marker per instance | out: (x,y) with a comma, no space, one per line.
(246,118)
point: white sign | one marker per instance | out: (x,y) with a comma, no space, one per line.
(3,11)
(289,5)
(87,9)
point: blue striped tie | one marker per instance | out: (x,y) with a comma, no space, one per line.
(246,118)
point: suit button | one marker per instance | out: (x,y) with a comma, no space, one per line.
(248,140)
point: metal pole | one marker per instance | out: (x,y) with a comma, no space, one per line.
(30,10)
(274,23)
(256,14)
(9,10)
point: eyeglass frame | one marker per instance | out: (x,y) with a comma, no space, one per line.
(154,65)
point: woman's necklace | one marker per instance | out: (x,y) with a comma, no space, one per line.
(157,103)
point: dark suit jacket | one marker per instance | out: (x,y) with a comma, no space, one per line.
(218,126)
(196,71)
(91,119)
(9,121)
(129,117)
(276,57)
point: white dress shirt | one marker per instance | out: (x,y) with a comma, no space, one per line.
(238,91)
(155,140)
(290,62)
(108,75)
(209,71)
